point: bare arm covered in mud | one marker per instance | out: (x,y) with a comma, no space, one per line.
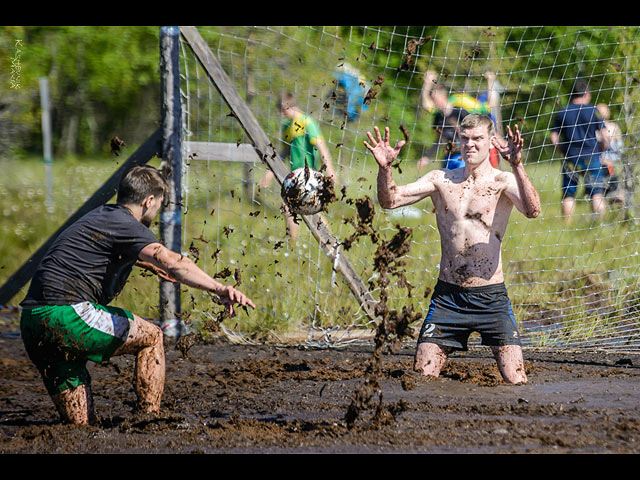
(519,189)
(182,269)
(150,267)
(391,195)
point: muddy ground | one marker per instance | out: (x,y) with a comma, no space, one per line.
(225,398)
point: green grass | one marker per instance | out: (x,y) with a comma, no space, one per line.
(582,277)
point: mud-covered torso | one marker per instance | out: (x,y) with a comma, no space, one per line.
(472,216)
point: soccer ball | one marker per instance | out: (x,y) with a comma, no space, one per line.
(302,191)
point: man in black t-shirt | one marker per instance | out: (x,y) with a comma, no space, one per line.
(66,319)
(91,260)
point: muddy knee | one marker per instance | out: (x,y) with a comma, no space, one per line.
(156,335)
(148,334)
(510,363)
(430,358)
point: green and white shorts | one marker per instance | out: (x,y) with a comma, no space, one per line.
(59,340)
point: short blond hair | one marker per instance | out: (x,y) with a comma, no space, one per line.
(474,120)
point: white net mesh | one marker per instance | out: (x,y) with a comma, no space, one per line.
(571,284)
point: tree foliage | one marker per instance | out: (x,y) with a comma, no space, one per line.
(104,81)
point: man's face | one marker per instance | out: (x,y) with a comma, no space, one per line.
(152,205)
(475,145)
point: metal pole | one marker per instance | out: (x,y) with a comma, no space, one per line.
(46,141)
(171,215)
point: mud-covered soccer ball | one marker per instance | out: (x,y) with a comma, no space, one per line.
(302,191)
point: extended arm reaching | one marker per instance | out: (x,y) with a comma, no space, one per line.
(185,271)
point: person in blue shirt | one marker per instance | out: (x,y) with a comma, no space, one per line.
(354,88)
(575,133)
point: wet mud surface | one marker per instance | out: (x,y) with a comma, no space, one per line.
(224,398)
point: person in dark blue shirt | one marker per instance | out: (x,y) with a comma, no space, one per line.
(574,133)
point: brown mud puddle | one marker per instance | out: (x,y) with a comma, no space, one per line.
(245,399)
(225,398)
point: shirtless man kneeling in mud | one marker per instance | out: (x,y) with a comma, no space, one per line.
(472,206)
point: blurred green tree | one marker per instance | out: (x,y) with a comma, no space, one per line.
(103,82)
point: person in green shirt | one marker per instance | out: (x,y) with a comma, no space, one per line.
(302,137)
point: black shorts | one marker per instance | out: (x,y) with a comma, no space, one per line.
(455,312)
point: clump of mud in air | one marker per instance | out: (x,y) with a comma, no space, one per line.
(327,191)
(393,325)
(210,329)
(293,199)
(364,226)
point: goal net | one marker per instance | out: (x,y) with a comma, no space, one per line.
(572,284)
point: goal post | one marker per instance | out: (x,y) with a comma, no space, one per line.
(572,285)
(266,151)
(170,306)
